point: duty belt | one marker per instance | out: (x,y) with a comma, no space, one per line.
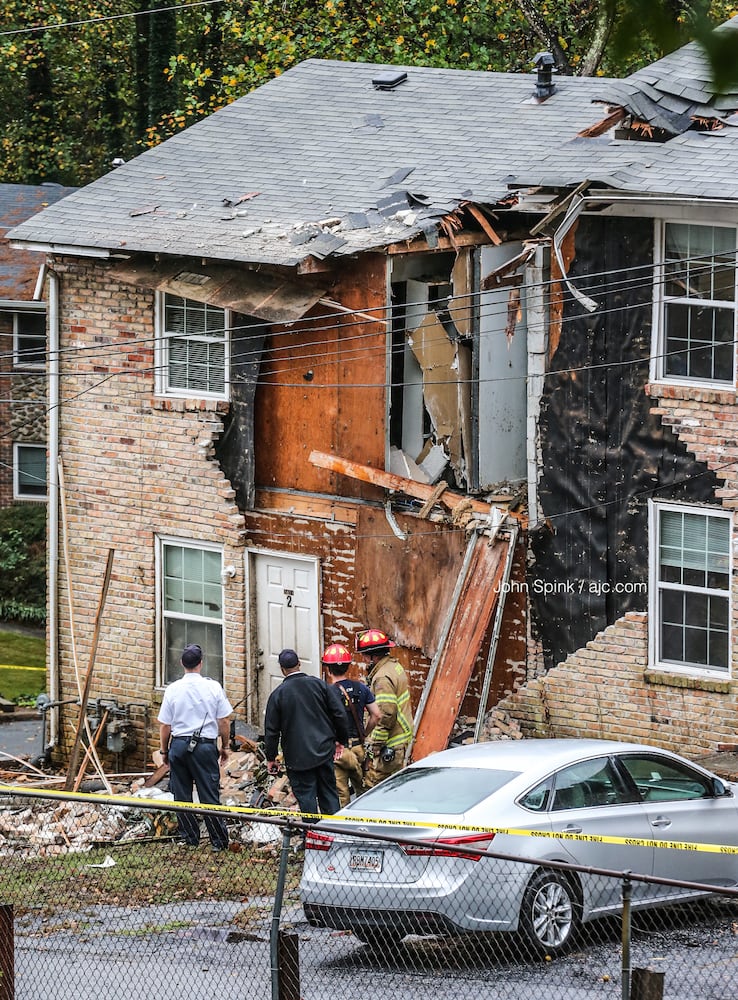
(200,739)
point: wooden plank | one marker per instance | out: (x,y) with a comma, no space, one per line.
(399,484)
(74,755)
(484,223)
(323,508)
(457,657)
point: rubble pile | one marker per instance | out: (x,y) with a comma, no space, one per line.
(45,827)
(497,725)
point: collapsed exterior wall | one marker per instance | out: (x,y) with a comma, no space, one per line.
(606,691)
(605,452)
(612,441)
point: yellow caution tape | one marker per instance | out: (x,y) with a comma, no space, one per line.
(257,814)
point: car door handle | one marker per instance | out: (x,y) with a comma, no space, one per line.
(661,821)
(572,829)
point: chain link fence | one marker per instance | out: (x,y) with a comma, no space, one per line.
(99,900)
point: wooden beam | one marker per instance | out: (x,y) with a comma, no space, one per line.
(74,755)
(455,660)
(483,222)
(399,484)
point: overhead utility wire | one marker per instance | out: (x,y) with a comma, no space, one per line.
(388,308)
(486,312)
(52,26)
(112,504)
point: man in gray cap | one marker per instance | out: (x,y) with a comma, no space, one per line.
(194,713)
(310,719)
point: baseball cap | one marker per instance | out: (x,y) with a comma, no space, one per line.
(288,659)
(191,655)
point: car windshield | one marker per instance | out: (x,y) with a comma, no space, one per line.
(446,790)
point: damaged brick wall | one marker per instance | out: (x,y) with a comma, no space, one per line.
(334,544)
(616,695)
(606,691)
(157,475)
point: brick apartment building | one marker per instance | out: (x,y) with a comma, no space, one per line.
(318,351)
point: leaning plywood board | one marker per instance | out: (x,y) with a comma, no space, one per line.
(470,622)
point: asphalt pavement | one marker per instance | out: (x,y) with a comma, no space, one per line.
(21,737)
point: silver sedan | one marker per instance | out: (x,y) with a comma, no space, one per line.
(579,789)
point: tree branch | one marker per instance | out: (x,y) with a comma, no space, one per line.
(549,38)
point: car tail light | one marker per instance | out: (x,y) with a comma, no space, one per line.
(315,841)
(443,846)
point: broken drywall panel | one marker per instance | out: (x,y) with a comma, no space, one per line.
(461,304)
(433,461)
(446,368)
(401,464)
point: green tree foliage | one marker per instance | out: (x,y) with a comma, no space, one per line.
(23,562)
(83,82)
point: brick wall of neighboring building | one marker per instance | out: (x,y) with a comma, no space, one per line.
(134,466)
(606,688)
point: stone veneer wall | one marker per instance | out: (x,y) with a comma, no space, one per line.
(6,393)
(606,689)
(134,466)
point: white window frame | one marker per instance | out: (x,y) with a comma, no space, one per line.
(164,615)
(656,587)
(18,361)
(18,493)
(161,354)
(658,354)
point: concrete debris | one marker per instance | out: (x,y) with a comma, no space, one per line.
(43,827)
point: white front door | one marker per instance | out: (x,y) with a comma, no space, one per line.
(285,591)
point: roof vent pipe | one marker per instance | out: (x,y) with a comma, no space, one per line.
(544,63)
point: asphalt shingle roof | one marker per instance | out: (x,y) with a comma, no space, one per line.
(669,93)
(19,269)
(318,143)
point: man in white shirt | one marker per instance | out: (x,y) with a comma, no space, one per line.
(194,713)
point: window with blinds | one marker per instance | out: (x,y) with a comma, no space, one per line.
(194,348)
(693,587)
(696,289)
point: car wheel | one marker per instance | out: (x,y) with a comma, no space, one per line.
(550,913)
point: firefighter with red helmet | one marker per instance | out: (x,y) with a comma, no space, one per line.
(388,681)
(357,700)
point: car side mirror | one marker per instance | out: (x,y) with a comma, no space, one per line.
(719,789)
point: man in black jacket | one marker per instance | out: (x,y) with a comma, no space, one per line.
(309,718)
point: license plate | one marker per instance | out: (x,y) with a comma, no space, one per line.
(366,861)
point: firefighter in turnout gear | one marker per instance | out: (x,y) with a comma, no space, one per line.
(388,681)
(362,714)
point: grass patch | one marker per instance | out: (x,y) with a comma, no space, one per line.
(22,684)
(23,669)
(144,873)
(22,650)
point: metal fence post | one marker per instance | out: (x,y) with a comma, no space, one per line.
(277,911)
(7,953)
(626,897)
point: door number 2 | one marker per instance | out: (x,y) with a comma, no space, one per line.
(289,594)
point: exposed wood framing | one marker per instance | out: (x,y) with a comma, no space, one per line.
(302,505)
(483,222)
(559,208)
(599,128)
(399,484)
